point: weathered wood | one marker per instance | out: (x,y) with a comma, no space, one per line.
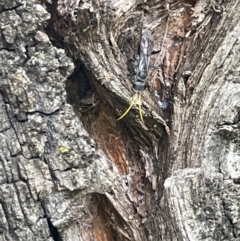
(78,174)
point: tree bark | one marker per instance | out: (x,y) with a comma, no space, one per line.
(69,170)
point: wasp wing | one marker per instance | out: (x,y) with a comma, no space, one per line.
(145,51)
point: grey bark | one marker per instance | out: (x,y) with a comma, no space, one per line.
(48,161)
(71,172)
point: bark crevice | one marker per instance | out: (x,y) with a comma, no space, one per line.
(74,172)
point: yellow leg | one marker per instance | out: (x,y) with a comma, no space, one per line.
(129,108)
(140,108)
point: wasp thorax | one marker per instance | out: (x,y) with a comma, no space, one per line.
(139,85)
(142,75)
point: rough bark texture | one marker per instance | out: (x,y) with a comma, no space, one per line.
(72,172)
(48,161)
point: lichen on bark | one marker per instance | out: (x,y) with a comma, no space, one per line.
(74,172)
(48,162)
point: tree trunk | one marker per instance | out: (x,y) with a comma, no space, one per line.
(69,170)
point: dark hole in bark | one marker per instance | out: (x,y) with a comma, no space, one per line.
(53,230)
(77,85)
(237,117)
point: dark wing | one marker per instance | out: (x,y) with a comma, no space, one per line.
(146,47)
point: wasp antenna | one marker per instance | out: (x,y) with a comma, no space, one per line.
(129,108)
(140,108)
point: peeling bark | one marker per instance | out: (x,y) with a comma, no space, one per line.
(69,170)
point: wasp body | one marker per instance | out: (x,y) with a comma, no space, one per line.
(142,62)
(141,66)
